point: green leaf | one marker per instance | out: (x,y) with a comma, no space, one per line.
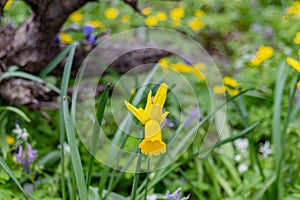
(15,110)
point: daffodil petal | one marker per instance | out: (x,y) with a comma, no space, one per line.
(152,128)
(155,112)
(153,145)
(148,106)
(164,116)
(161,95)
(138,113)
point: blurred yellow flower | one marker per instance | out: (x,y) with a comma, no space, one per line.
(164,64)
(198,13)
(10,140)
(111,13)
(293,63)
(152,116)
(218,89)
(199,74)
(177,13)
(298,85)
(229,81)
(8,5)
(146,11)
(161,16)
(231,87)
(297,38)
(196,24)
(65,38)
(95,24)
(263,53)
(294,9)
(125,18)
(176,22)
(76,17)
(151,21)
(182,67)
(232,92)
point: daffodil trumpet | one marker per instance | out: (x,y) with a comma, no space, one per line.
(151,117)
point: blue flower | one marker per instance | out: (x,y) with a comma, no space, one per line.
(87,30)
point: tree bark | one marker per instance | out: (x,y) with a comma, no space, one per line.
(32,46)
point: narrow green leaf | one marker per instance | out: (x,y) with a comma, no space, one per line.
(55,61)
(29,77)
(15,110)
(96,132)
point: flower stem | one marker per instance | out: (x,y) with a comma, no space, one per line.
(136,177)
(147,178)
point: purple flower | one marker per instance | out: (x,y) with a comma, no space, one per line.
(169,123)
(175,195)
(87,30)
(268,32)
(193,115)
(26,157)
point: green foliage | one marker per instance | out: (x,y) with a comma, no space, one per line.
(265,110)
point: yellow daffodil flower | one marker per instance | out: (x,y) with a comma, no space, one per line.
(182,67)
(151,21)
(297,38)
(177,13)
(231,87)
(196,24)
(293,63)
(230,81)
(232,92)
(65,38)
(294,9)
(161,16)
(146,11)
(164,64)
(152,116)
(125,18)
(198,13)
(111,13)
(8,5)
(263,53)
(76,17)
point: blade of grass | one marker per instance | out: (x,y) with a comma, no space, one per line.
(276,133)
(74,152)
(96,133)
(69,126)
(55,61)
(147,178)
(29,77)
(17,111)
(64,88)
(136,177)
